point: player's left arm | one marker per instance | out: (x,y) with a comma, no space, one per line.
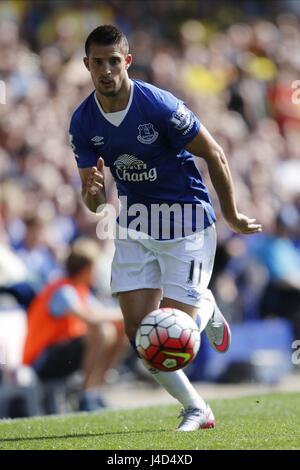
(204,145)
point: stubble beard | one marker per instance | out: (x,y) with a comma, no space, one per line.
(109,93)
(113,92)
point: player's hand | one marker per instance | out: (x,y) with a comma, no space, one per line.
(243,224)
(95,181)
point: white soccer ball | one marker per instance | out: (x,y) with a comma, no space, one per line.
(168,339)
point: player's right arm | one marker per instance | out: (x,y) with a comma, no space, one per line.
(93,191)
(90,166)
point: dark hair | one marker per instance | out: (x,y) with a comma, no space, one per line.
(76,263)
(106,35)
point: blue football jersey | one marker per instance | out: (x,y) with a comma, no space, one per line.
(147,158)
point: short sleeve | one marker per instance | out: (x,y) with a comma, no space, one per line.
(84,154)
(182,124)
(64,300)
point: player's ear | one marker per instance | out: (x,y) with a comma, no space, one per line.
(86,63)
(128,60)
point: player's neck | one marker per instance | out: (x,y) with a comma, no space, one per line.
(113,104)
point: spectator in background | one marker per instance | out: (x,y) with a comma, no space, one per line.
(36,255)
(279,255)
(14,277)
(70,330)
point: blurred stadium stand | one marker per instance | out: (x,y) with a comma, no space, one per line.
(234,63)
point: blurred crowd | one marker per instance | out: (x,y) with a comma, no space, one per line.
(234,66)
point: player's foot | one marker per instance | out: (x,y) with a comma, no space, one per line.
(195,418)
(218,331)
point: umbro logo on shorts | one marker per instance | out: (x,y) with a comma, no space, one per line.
(193,293)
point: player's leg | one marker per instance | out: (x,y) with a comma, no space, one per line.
(134,269)
(135,305)
(187,267)
(208,317)
(205,306)
(136,279)
(196,413)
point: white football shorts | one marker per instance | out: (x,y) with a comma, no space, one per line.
(181,267)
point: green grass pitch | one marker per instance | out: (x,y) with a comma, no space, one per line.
(256,422)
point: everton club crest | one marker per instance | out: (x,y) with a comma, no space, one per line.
(147,133)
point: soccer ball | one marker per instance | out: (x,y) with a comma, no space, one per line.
(168,339)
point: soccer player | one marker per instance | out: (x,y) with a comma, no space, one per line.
(148,138)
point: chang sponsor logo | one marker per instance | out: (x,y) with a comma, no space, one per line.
(130,168)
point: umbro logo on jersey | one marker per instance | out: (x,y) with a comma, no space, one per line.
(130,168)
(97,140)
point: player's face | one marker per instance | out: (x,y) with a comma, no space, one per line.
(108,67)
